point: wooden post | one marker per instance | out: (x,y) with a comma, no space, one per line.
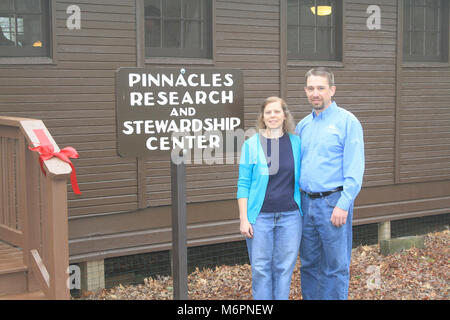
(92,275)
(58,263)
(22,179)
(179,252)
(33,200)
(384,230)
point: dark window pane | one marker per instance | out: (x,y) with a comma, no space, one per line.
(307,3)
(153,34)
(30,32)
(428,21)
(172,36)
(324,42)
(431,19)
(292,13)
(172,8)
(25,28)
(407,19)
(417,43)
(324,21)
(152,8)
(192,35)
(307,40)
(320,30)
(192,9)
(307,17)
(431,44)
(6,5)
(406,43)
(293,39)
(28,6)
(183,30)
(418,21)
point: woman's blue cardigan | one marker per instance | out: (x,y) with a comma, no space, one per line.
(254,174)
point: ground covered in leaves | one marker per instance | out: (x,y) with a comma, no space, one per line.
(414,274)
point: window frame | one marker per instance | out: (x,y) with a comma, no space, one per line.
(417,61)
(337,59)
(180,58)
(50,58)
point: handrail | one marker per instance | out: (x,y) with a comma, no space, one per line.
(42,230)
(12,121)
(53,166)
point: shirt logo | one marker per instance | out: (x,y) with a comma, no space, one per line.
(332,129)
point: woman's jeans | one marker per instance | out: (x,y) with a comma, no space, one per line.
(273,252)
(325,250)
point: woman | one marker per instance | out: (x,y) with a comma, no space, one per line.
(269,200)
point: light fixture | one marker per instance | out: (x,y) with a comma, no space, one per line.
(37,44)
(322,10)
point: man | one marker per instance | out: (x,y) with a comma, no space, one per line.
(332,171)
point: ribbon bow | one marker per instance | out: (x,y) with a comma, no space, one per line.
(46,151)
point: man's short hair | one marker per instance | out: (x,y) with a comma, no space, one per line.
(320,72)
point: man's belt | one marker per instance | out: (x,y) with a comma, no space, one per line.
(315,195)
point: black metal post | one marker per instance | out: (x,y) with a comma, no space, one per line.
(179,222)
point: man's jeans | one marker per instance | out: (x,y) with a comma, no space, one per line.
(325,250)
(273,252)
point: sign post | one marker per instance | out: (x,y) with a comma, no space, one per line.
(179,228)
(178,112)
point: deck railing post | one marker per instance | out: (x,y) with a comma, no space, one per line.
(24,222)
(58,263)
(33,201)
(34,215)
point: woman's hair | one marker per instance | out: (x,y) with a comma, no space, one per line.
(288,123)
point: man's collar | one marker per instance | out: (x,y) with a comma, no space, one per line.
(327,110)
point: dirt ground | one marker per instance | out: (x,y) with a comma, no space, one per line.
(414,274)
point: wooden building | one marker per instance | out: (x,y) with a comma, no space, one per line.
(390,59)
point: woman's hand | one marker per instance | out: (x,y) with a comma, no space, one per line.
(246,228)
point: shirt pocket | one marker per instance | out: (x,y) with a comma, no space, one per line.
(329,143)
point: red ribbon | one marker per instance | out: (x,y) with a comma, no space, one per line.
(46,151)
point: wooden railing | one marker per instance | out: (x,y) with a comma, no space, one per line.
(33,206)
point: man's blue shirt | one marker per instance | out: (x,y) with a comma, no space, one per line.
(332,152)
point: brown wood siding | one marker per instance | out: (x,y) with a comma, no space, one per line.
(247,38)
(106,41)
(365,85)
(75,98)
(425,124)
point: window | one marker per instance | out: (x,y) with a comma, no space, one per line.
(178,28)
(314,30)
(425,30)
(24,28)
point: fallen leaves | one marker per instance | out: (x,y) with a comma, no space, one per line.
(414,274)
